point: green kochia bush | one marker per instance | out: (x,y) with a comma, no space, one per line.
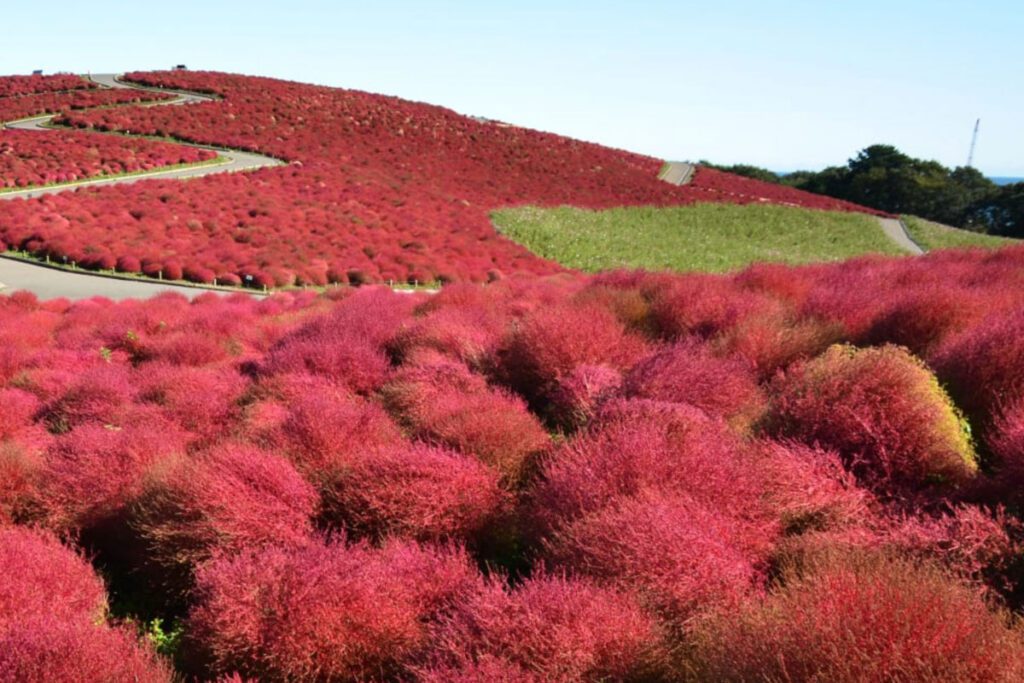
(882,411)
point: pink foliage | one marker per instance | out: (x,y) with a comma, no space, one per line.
(417,491)
(93,473)
(858,619)
(690,373)
(324,612)
(680,556)
(1007,443)
(445,402)
(550,343)
(808,489)
(44,649)
(224,500)
(44,578)
(981,366)
(637,446)
(550,629)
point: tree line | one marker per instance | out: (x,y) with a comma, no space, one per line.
(882,177)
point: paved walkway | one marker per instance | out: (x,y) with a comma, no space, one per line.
(897,232)
(51,282)
(677,172)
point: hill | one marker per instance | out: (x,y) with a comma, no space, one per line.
(376,189)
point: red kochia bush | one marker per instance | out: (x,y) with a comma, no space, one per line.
(922,318)
(442,400)
(882,411)
(91,474)
(99,394)
(862,619)
(771,341)
(1006,439)
(324,612)
(983,366)
(703,306)
(579,395)
(201,400)
(555,629)
(678,555)
(551,342)
(415,491)
(19,475)
(19,407)
(467,331)
(229,498)
(320,426)
(637,446)
(346,345)
(690,373)
(44,578)
(808,489)
(43,650)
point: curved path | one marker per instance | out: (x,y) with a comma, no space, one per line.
(50,282)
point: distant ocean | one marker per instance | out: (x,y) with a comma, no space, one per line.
(1006,181)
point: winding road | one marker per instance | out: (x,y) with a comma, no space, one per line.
(47,282)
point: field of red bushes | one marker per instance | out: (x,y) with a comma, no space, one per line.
(29,157)
(12,86)
(787,474)
(378,189)
(14,108)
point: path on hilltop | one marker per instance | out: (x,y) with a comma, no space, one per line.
(677,172)
(897,232)
(50,282)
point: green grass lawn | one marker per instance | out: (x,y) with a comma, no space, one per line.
(938,236)
(707,237)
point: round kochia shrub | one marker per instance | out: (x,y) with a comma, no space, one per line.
(984,365)
(552,341)
(415,491)
(1006,439)
(327,612)
(19,477)
(229,498)
(689,373)
(45,649)
(92,474)
(636,446)
(677,555)
(321,427)
(550,629)
(42,578)
(443,401)
(881,410)
(862,619)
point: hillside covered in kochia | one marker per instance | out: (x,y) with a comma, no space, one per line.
(377,189)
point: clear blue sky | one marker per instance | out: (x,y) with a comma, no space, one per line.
(797,84)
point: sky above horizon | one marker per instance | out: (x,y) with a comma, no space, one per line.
(794,85)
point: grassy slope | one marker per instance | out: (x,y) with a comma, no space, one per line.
(707,237)
(938,236)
